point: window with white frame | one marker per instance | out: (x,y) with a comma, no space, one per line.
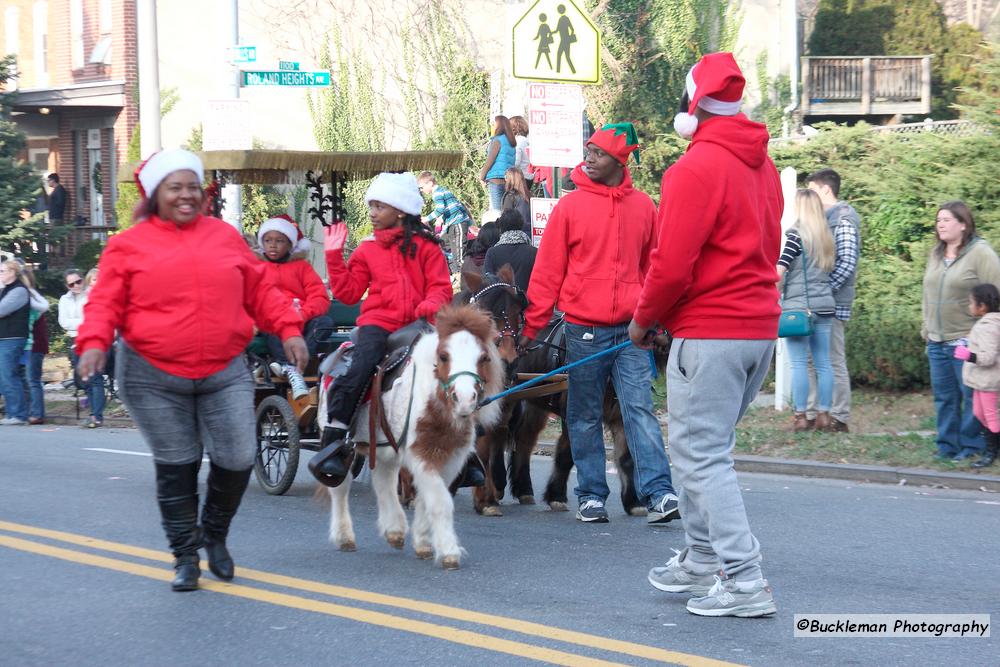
(76,32)
(40,28)
(101,54)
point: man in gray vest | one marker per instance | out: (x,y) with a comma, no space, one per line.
(845,225)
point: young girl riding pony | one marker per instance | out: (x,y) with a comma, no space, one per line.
(405,273)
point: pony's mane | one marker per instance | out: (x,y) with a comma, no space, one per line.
(456,318)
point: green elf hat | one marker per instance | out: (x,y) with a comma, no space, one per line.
(618,139)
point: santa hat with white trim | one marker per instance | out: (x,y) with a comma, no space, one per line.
(285,225)
(715,84)
(161,164)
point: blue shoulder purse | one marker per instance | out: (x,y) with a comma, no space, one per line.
(797,322)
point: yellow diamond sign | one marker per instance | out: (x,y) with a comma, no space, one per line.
(556,41)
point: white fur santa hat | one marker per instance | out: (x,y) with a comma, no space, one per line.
(715,84)
(397,190)
(285,225)
(161,164)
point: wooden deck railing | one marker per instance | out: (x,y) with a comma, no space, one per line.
(869,85)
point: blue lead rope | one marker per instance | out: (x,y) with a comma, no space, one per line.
(534,381)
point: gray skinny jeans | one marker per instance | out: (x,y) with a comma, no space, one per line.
(180,419)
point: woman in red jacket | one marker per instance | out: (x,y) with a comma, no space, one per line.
(405,273)
(284,249)
(184,291)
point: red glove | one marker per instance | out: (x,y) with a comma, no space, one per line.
(334,237)
(962,352)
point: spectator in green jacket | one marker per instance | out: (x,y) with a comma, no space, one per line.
(450,219)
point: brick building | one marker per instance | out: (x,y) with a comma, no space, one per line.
(77,98)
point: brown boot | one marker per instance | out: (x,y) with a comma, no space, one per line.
(824,422)
(838,426)
(801,423)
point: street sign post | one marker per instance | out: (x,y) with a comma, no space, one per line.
(555,115)
(541,209)
(280,78)
(555,40)
(243,54)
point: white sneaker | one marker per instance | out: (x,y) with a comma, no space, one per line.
(277,370)
(12,421)
(297,382)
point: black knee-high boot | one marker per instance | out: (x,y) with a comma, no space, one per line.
(225,490)
(992,450)
(177,494)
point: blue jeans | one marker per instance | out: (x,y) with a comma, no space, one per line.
(799,348)
(94,389)
(32,363)
(958,430)
(10,377)
(629,370)
(496,194)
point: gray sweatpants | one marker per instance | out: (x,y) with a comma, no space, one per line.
(180,418)
(710,384)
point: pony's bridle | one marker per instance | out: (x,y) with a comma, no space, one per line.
(508,329)
(447,384)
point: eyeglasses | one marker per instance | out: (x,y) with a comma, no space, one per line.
(74,283)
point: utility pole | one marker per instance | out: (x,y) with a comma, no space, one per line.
(232,194)
(149,77)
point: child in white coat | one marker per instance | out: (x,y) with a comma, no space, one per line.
(981,370)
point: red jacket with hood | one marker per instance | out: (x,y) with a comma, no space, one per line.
(297,279)
(713,273)
(593,256)
(185,297)
(400,289)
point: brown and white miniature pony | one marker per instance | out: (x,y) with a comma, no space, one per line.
(432,411)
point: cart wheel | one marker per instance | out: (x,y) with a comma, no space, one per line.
(277,445)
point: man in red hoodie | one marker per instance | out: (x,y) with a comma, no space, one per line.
(711,284)
(591,264)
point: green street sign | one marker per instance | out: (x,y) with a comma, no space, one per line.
(288,66)
(286,78)
(243,54)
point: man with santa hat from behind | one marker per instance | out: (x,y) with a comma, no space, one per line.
(711,284)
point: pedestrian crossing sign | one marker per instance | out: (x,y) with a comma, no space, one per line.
(556,41)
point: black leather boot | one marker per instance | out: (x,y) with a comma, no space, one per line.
(177,494)
(992,449)
(332,463)
(225,490)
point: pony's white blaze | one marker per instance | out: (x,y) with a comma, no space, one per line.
(464,350)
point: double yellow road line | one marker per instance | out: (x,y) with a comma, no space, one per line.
(457,635)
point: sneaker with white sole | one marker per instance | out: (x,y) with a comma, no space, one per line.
(13,421)
(296,381)
(277,371)
(731,598)
(592,511)
(664,510)
(675,578)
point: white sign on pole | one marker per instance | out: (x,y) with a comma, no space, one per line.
(555,115)
(782,363)
(226,126)
(541,209)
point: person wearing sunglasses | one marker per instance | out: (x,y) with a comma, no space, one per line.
(70,318)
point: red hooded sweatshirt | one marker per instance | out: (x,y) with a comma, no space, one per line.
(297,279)
(593,256)
(400,289)
(185,297)
(713,273)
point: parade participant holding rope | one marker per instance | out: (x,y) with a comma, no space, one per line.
(711,284)
(591,264)
(184,290)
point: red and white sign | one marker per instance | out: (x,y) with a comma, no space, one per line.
(541,209)
(555,115)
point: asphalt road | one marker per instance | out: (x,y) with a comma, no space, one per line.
(84,572)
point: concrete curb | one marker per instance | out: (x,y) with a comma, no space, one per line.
(854,472)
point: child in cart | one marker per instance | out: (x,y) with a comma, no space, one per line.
(981,370)
(284,249)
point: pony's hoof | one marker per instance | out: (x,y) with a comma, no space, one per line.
(349,545)
(637,511)
(558,506)
(424,553)
(395,540)
(526,500)
(450,562)
(492,510)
